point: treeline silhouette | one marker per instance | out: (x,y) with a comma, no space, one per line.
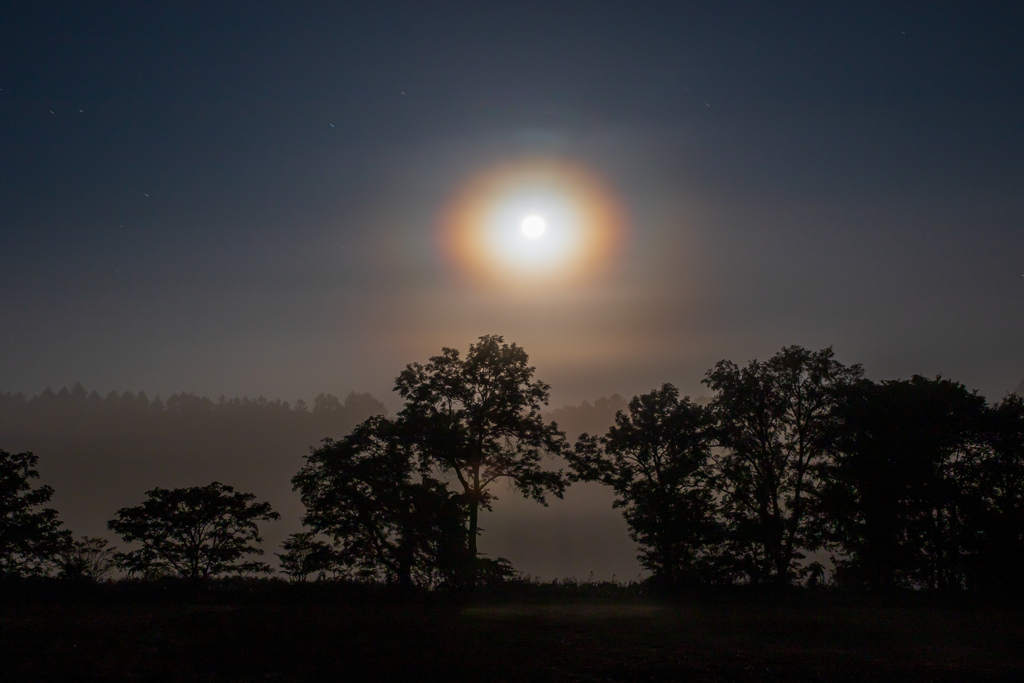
(86,413)
(100,453)
(914,483)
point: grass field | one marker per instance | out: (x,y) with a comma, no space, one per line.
(724,640)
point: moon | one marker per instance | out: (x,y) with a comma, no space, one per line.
(533,227)
(532,222)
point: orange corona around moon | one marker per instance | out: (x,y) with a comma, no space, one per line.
(532,221)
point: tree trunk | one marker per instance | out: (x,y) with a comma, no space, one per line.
(474,511)
(405,577)
(471,545)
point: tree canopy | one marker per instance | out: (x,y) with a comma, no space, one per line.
(31,537)
(479,419)
(195,532)
(904,490)
(775,425)
(655,458)
(1000,522)
(385,521)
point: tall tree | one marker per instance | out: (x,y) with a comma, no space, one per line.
(775,424)
(655,458)
(385,521)
(902,490)
(195,532)
(1000,525)
(478,419)
(30,535)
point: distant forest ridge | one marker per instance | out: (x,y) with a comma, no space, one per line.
(51,410)
(80,398)
(79,412)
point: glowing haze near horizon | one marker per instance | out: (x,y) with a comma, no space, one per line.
(281,202)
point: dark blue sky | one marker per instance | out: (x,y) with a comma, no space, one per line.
(243,198)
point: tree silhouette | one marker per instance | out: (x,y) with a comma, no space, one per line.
(30,535)
(362,493)
(655,458)
(479,419)
(903,489)
(195,532)
(775,424)
(1000,526)
(305,554)
(87,558)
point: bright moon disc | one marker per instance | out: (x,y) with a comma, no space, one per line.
(532,221)
(533,227)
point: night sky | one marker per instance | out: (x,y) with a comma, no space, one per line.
(280,199)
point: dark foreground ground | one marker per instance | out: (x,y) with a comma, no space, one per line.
(682,640)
